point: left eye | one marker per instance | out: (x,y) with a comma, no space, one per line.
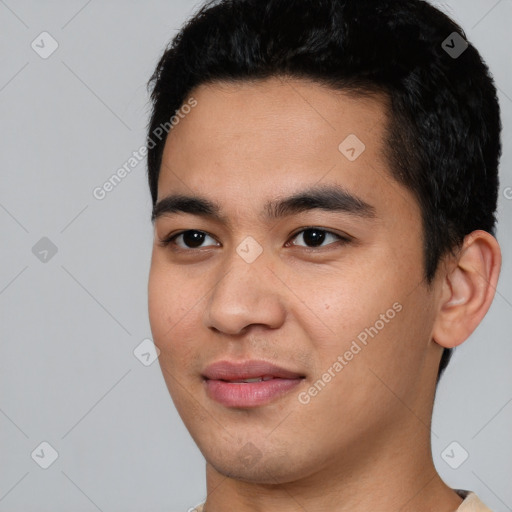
(311,236)
(316,236)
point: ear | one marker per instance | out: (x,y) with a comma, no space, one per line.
(467,289)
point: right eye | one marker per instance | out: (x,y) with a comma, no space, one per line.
(192,239)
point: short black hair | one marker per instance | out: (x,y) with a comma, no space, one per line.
(443,128)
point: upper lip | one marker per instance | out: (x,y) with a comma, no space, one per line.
(230,370)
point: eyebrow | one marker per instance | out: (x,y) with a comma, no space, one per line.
(327,197)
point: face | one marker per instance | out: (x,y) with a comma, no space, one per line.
(327,288)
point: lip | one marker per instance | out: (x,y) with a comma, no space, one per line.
(219,377)
(230,370)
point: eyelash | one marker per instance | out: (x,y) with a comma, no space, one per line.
(170,240)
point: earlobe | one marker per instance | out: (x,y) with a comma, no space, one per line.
(468,289)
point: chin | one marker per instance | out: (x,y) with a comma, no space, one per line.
(277,469)
(261,474)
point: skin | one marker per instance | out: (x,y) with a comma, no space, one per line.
(363,442)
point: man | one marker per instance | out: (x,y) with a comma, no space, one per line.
(324,211)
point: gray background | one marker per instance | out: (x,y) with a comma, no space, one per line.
(69,326)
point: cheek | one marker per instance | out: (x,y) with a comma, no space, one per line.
(347,300)
(369,314)
(172,316)
(166,304)
(159,296)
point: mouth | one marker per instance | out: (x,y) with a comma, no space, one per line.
(252,379)
(249,384)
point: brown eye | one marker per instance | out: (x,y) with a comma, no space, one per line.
(192,239)
(314,237)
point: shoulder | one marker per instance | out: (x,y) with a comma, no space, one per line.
(471,503)
(197,508)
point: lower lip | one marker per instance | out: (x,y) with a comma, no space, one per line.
(248,394)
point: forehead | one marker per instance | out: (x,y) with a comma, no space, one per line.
(252,140)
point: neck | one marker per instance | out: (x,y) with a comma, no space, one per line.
(396,473)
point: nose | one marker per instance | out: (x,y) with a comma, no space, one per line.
(246,294)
